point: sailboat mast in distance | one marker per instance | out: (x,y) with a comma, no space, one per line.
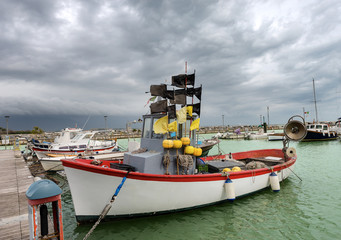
(315,101)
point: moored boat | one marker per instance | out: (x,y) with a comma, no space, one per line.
(319,132)
(166,174)
(337,127)
(81,143)
(144,194)
(275,136)
(53,163)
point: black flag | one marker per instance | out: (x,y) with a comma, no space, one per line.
(194,91)
(196,108)
(182,79)
(160,106)
(158,90)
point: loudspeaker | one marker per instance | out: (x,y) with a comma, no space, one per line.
(295,130)
(291,152)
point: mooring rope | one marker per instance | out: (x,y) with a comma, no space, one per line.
(107,207)
(295,174)
(166,161)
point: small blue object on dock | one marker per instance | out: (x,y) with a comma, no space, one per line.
(43,189)
(38,194)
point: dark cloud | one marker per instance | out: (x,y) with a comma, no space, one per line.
(81,58)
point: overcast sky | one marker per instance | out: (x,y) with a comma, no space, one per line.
(65,61)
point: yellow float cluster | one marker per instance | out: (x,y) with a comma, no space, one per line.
(183,142)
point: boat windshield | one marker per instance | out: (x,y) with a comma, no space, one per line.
(318,126)
(146,128)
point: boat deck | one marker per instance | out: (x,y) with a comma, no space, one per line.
(15,178)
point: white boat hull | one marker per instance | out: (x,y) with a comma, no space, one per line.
(145,194)
(51,164)
(55,164)
(43,153)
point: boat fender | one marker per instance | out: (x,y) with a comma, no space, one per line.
(274,182)
(229,190)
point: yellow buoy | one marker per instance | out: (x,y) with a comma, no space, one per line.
(189,150)
(226,170)
(167,143)
(177,144)
(185,141)
(236,169)
(197,152)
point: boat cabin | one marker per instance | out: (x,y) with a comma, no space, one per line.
(318,127)
(152,156)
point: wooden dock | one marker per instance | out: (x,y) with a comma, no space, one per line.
(15,178)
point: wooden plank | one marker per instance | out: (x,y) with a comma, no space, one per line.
(15,178)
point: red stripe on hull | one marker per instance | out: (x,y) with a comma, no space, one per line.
(78,151)
(85,165)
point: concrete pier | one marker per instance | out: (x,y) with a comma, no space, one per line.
(15,178)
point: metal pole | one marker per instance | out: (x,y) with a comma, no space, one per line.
(223,122)
(7,117)
(268,116)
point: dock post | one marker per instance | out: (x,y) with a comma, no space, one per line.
(38,195)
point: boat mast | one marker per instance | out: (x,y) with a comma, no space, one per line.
(315,101)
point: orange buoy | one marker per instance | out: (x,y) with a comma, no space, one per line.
(236,169)
(177,144)
(185,141)
(167,143)
(189,150)
(197,152)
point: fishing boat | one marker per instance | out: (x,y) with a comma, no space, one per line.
(81,143)
(166,173)
(206,145)
(318,131)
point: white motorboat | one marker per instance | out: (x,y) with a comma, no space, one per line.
(337,127)
(81,143)
(53,161)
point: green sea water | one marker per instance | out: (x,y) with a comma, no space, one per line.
(307,209)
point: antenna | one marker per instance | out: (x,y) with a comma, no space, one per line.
(86,122)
